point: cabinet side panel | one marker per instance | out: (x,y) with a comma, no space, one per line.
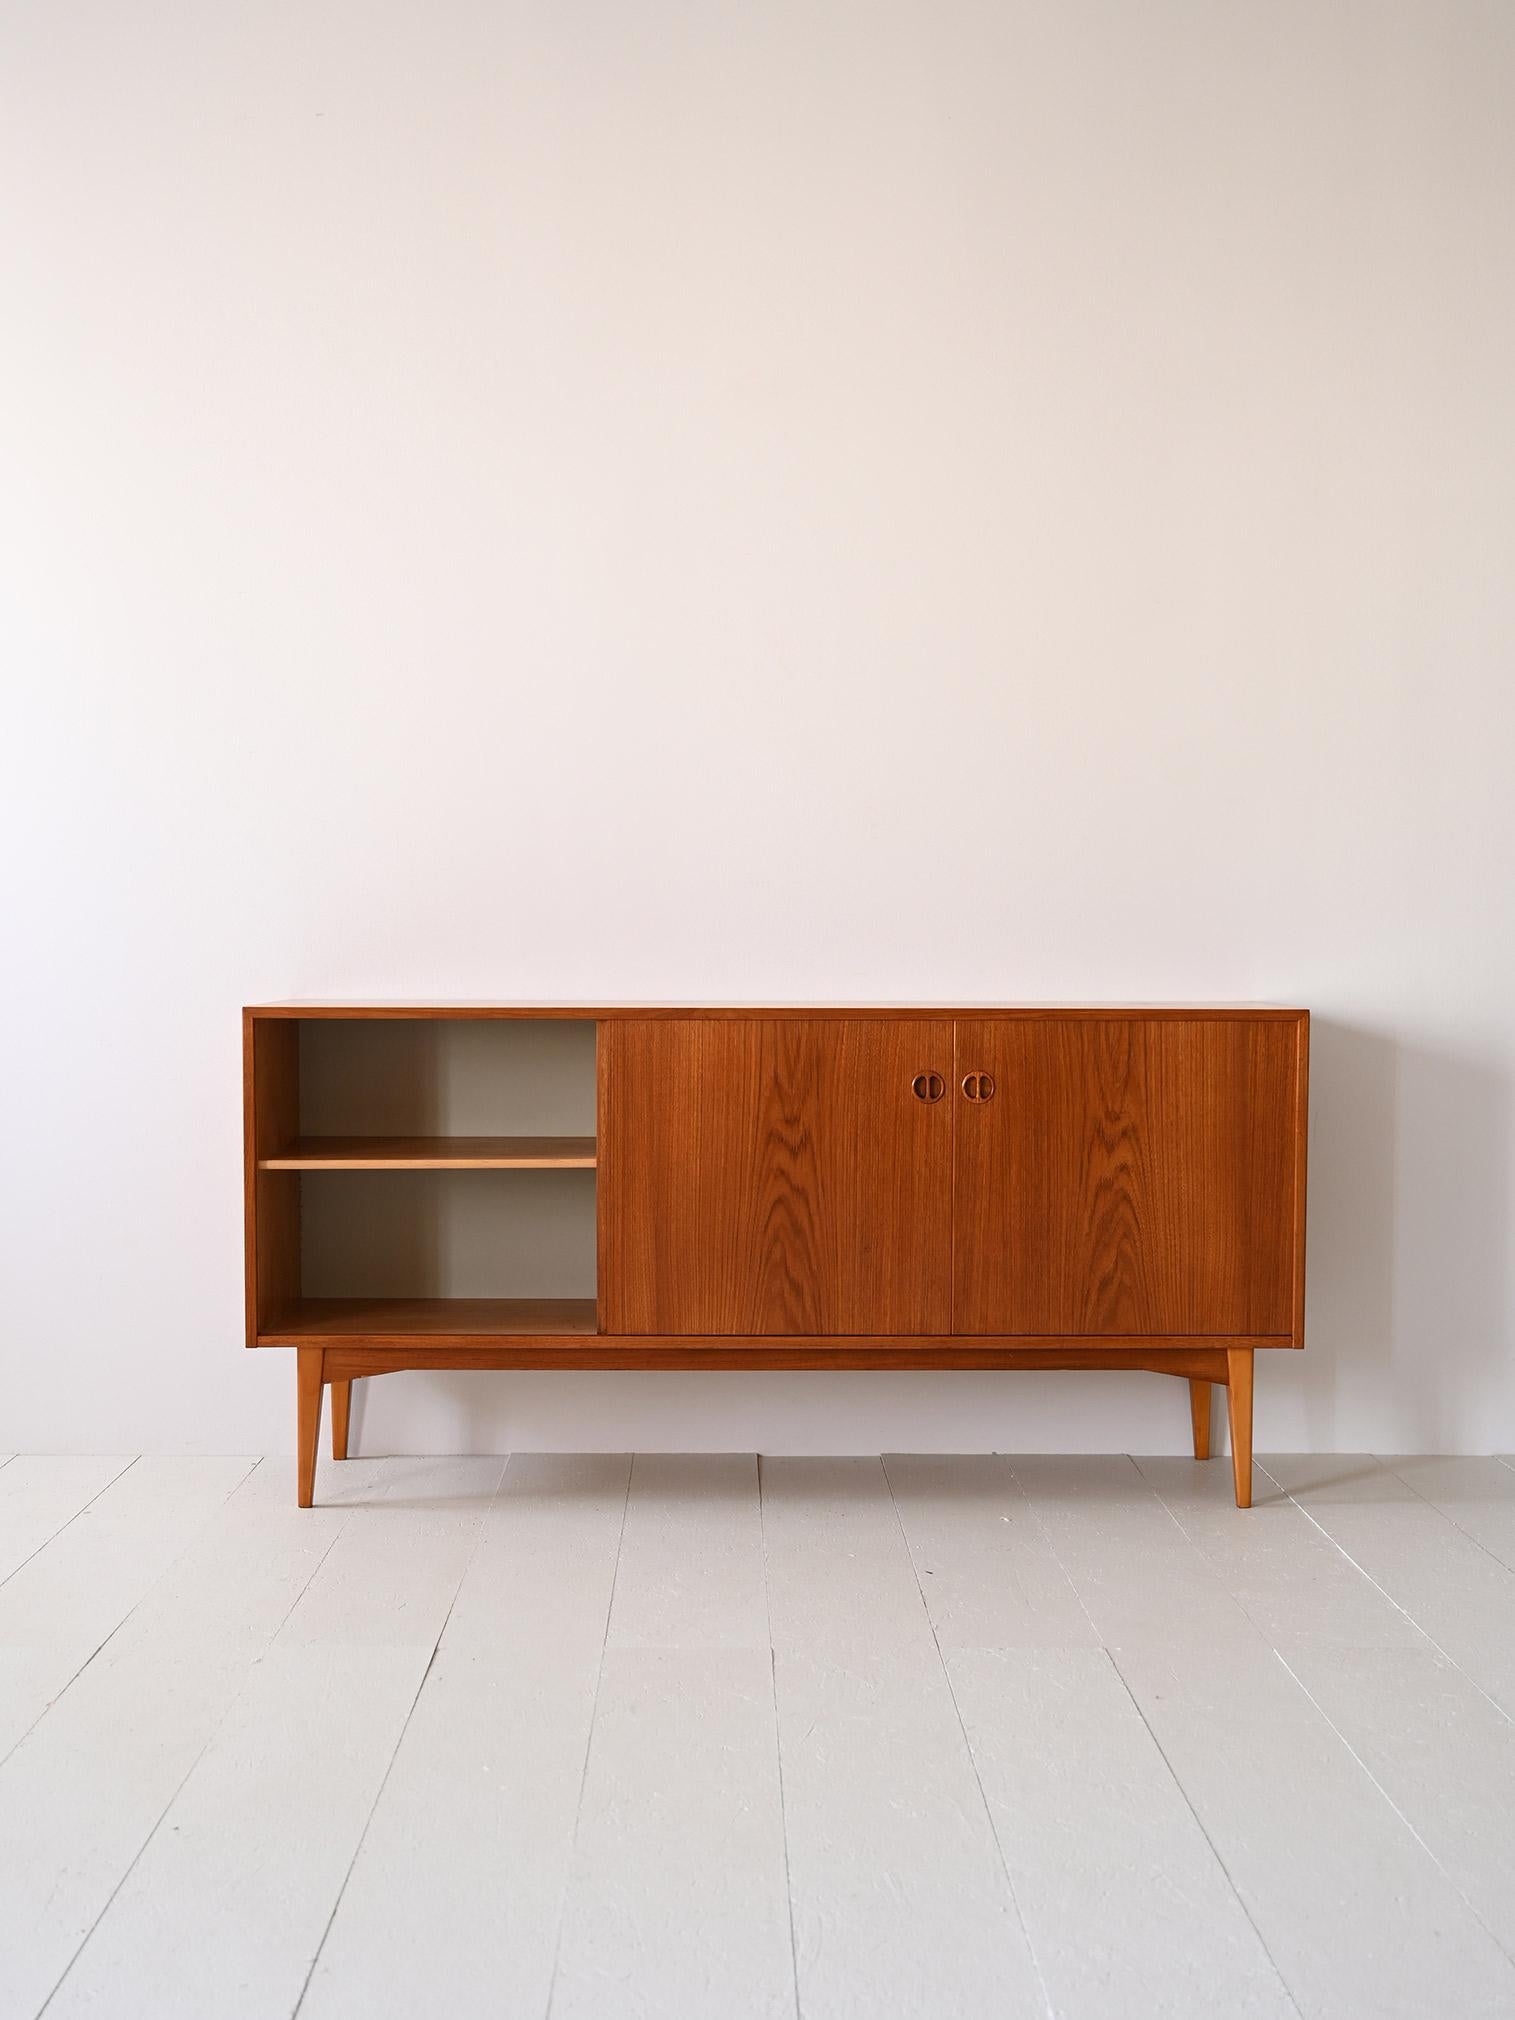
(1301,1167)
(271,1119)
(772,1177)
(1129,1177)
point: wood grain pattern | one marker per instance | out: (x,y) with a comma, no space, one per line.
(1199,1412)
(434,1153)
(308,1374)
(377,1354)
(271,1200)
(1130,1176)
(759,1176)
(743,1013)
(1239,1408)
(341,1417)
(316,1319)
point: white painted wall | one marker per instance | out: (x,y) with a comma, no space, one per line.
(922,500)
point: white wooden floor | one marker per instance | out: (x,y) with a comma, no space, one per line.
(694,1737)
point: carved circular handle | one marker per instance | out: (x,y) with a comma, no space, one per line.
(979,1086)
(928,1087)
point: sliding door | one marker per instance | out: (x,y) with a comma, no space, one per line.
(783,1175)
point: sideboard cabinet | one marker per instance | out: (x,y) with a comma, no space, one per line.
(497,1186)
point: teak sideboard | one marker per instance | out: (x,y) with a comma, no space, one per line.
(776,1188)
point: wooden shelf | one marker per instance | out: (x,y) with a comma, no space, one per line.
(404,1320)
(434,1153)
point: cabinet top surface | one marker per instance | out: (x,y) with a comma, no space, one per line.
(598,1012)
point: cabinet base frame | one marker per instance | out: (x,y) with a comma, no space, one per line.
(1227,1366)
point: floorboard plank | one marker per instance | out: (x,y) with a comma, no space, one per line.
(1139,1577)
(224,1910)
(39,1495)
(455,1898)
(1442,1752)
(901,1904)
(67,1600)
(1282,1569)
(1449,1585)
(1478,1495)
(677,1900)
(1130,1912)
(988,1573)
(81,1794)
(1355,1913)
(691,1569)
(838,1569)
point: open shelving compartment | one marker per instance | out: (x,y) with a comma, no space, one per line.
(422,1179)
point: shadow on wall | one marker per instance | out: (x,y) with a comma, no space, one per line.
(1451,1250)
(1409,1241)
(1349,1303)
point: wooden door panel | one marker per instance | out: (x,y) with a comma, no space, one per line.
(1126,1177)
(774,1176)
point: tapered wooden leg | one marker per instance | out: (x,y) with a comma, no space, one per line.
(341,1407)
(308,1388)
(1199,1410)
(1239,1406)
